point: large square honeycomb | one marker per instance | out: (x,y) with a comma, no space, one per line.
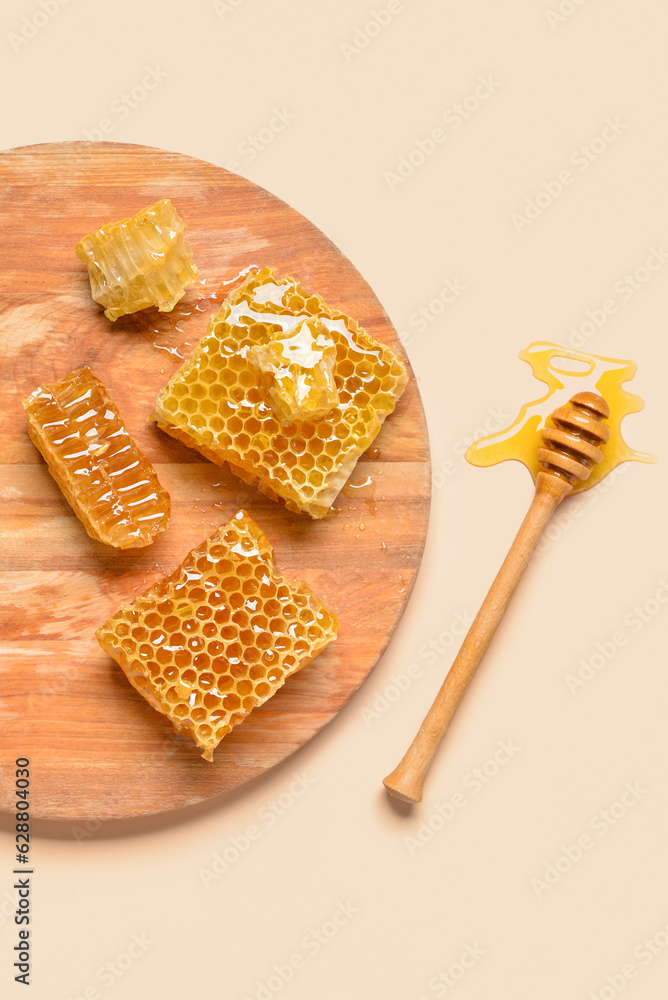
(219,636)
(221,404)
(112,488)
(139,262)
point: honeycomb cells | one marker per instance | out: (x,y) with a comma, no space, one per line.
(299,363)
(139,262)
(110,485)
(219,636)
(218,402)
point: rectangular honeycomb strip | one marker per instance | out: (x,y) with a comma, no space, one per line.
(112,488)
(139,262)
(219,636)
(219,403)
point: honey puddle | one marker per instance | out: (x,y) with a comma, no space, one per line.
(565,372)
(361,489)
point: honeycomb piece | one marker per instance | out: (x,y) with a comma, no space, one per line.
(110,485)
(300,365)
(139,262)
(218,403)
(219,636)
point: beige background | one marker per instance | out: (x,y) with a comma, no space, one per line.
(329,847)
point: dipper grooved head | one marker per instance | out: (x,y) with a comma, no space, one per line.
(572,444)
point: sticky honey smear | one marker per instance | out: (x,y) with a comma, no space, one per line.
(219,636)
(565,372)
(139,262)
(222,401)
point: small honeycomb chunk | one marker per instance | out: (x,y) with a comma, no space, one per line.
(139,262)
(109,484)
(220,404)
(300,365)
(219,636)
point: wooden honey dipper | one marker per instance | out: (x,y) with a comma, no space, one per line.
(571,448)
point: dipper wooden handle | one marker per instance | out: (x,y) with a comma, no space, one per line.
(571,448)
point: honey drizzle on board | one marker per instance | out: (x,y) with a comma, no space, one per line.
(521,440)
(154,326)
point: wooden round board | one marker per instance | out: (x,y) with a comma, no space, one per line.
(97,749)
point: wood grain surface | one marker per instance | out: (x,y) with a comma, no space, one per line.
(97,749)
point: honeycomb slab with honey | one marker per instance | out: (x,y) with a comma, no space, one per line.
(286,390)
(139,262)
(110,485)
(219,636)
